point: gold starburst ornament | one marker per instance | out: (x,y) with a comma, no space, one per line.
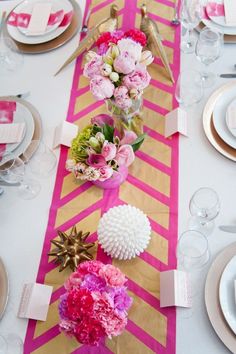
(71,249)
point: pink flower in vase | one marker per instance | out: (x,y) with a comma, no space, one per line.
(122,99)
(124,63)
(113,275)
(108,151)
(105,173)
(125,155)
(128,138)
(133,48)
(102,119)
(96,160)
(138,79)
(101,87)
(93,67)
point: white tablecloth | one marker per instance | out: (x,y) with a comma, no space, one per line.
(23,223)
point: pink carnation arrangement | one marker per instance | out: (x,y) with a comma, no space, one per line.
(100,149)
(95,304)
(118,72)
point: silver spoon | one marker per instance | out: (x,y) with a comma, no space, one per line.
(175,21)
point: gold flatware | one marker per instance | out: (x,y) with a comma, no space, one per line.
(154,42)
(109,24)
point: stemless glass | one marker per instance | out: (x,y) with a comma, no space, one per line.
(204,207)
(188,89)
(190,16)
(12,171)
(208,49)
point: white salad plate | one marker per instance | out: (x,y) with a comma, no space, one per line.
(227,293)
(14,32)
(231,107)
(219,116)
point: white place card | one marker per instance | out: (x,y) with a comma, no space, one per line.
(176,122)
(64,134)
(230,12)
(175,289)
(39,18)
(11,133)
(35,301)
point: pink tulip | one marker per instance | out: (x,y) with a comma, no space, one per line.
(125,155)
(128,138)
(102,119)
(108,151)
(96,160)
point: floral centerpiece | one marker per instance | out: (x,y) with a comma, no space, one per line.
(100,153)
(95,304)
(118,71)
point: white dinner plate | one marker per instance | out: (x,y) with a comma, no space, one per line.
(219,28)
(219,116)
(26,116)
(211,9)
(227,293)
(26,7)
(231,106)
(20,37)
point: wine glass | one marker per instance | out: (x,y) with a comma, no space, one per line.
(204,207)
(190,16)
(208,49)
(12,171)
(193,255)
(11,59)
(188,89)
(43,161)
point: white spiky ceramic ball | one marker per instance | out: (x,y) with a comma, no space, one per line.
(124,232)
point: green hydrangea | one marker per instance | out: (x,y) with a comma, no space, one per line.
(80,144)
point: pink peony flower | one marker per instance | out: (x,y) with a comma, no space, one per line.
(122,99)
(89,267)
(128,138)
(133,48)
(112,275)
(101,87)
(96,160)
(125,155)
(124,63)
(105,173)
(102,119)
(93,67)
(138,79)
(108,150)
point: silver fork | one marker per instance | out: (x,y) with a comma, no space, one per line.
(175,21)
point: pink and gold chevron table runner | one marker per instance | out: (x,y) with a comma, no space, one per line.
(152,186)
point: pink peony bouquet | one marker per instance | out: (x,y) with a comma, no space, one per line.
(95,304)
(99,150)
(118,71)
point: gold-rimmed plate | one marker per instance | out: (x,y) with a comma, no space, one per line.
(59,41)
(208,125)
(4,288)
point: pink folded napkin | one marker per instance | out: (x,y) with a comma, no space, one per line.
(7,109)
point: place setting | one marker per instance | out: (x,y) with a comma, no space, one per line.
(37,26)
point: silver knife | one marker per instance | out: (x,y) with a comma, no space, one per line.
(228,76)
(228,228)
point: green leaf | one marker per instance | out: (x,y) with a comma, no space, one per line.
(108,132)
(138,142)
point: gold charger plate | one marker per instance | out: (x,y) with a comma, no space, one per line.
(208,125)
(4,288)
(32,147)
(227,38)
(58,41)
(212,297)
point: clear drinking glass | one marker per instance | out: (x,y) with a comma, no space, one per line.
(43,161)
(204,207)
(12,171)
(208,49)
(188,89)
(190,16)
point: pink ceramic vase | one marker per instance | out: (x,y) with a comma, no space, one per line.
(115,181)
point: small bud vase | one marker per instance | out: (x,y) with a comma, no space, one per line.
(115,180)
(124,115)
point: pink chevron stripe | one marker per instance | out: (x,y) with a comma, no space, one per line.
(101,5)
(162,86)
(157,18)
(157,164)
(81,189)
(101,349)
(43,339)
(87,110)
(157,136)
(165,2)
(155,107)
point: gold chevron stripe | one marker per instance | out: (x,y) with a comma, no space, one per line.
(58,345)
(157,150)
(159,9)
(154,178)
(154,120)
(158,247)
(128,341)
(69,185)
(158,73)
(159,97)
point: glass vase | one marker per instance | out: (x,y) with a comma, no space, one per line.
(124,115)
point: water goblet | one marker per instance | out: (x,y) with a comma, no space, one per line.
(188,89)
(208,49)
(12,171)
(204,207)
